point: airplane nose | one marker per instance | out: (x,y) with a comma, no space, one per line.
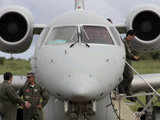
(79,73)
(83,87)
(80,95)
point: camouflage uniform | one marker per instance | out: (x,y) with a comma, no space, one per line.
(8,101)
(36,95)
(128,73)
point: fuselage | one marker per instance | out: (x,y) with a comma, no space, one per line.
(79,57)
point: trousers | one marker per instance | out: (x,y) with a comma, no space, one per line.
(32,114)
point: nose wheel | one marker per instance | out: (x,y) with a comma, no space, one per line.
(79,111)
(74,116)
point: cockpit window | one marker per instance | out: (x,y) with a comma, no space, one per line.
(116,36)
(96,34)
(44,34)
(62,35)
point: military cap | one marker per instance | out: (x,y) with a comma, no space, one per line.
(30,74)
(7,75)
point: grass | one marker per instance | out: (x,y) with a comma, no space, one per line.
(136,105)
(16,66)
(147,66)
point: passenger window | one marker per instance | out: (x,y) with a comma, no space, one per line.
(96,34)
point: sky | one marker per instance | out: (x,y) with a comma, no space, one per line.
(44,11)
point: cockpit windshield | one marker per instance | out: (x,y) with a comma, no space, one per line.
(96,34)
(65,34)
(84,34)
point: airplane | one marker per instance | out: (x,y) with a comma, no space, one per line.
(79,57)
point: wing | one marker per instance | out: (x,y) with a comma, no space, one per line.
(18,81)
(139,85)
(38,28)
(121,28)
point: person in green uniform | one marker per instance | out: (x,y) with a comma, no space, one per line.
(124,86)
(36,95)
(9,98)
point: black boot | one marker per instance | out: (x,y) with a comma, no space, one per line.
(128,93)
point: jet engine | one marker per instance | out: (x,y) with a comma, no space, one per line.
(16,29)
(145,20)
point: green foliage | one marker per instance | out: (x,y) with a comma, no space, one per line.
(11,58)
(155,55)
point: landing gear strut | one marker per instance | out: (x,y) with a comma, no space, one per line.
(79,111)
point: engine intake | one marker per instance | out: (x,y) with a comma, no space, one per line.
(13,28)
(16,29)
(145,21)
(147,24)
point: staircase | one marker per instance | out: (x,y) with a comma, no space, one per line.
(123,110)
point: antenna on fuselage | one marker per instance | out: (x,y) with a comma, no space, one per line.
(79,5)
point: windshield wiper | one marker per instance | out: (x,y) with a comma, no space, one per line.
(83,30)
(76,31)
(73,44)
(87,45)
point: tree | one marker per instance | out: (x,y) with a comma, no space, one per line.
(155,55)
(2,59)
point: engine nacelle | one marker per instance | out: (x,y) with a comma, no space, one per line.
(145,21)
(16,29)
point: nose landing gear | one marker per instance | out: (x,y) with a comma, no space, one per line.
(80,111)
(75,116)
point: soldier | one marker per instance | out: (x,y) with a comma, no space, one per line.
(128,73)
(36,95)
(9,99)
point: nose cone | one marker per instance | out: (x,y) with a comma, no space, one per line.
(81,94)
(82,87)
